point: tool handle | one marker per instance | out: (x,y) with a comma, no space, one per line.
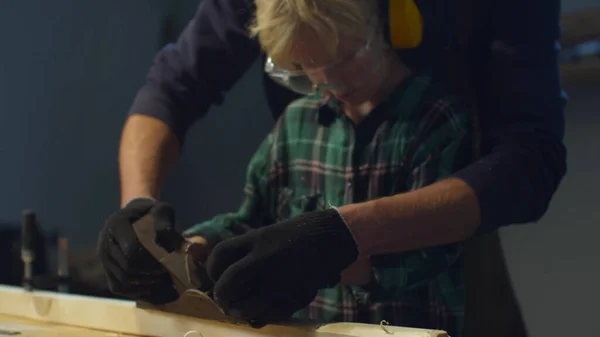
(28,224)
(28,229)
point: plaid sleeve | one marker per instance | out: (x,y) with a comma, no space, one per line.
(446,142)
(253,212)
(444,146)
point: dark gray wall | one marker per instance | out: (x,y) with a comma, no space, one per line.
(575,5)
(209,177)
(68,72)
(555,264)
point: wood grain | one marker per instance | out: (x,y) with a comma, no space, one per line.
(117,316)
(30,328)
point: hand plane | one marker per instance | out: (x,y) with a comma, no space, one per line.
(184,272)
(187,275)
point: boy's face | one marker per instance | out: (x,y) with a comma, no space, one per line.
(353,75)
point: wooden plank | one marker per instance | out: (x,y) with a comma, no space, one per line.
(580,26)
(117,316)
(17,327)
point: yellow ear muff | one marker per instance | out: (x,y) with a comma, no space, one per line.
(406,24)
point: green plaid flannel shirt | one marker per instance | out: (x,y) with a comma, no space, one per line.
(316,157)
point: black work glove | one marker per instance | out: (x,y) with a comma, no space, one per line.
(270,273)
(131,271)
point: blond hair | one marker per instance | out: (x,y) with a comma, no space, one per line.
(279,23)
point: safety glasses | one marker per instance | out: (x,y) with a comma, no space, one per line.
(300,81)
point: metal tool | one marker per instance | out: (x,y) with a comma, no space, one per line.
(184,273)
(28,228)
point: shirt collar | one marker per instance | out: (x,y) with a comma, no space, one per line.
(329,109)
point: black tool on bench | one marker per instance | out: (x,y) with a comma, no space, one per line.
(28,228)
(30,240)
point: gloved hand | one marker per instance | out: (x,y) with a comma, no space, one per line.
(268,274)
(131,271)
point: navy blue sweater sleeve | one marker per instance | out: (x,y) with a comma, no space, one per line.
(522,101)
(522,114)
(211,54)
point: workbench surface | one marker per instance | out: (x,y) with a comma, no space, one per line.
(49,314)
(11,326)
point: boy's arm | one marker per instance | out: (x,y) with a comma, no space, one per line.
(254,211)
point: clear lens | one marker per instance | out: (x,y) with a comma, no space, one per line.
(337,77)
(298,81)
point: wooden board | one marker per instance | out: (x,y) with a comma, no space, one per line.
(116,316)
(17,327)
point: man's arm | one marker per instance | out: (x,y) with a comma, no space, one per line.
(525,161)
(147,153)
(447,148)
(522,114)
(438,209)
(187,77)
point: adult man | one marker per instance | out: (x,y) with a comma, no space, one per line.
(521,108)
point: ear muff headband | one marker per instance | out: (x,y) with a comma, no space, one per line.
(405,23)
